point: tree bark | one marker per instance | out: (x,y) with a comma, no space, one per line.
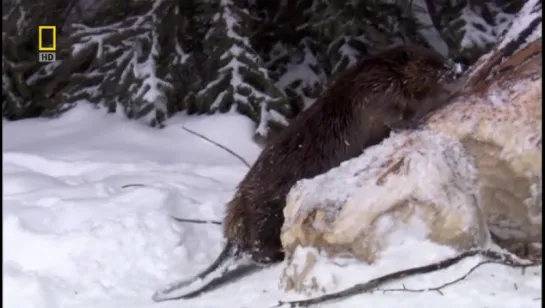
(472,172)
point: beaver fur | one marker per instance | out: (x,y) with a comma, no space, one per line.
(358,110)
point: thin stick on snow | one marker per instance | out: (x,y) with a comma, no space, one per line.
(133,185)
(371,285)
(197,221)
(440,287)
(200,221)
(218,145)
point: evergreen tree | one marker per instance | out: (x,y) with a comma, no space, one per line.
(350,30)
(241,81)
(115,64)
(268,60)
(471,28)
(20,21)
(291,50)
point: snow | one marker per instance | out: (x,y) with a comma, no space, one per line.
(433,161)
(428,31)
(73,237)
(491,285)
(473,35)
(528,15)
(370,208)
(523,30)
(301,68)
(242,58)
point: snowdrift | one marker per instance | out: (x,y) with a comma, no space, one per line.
(474,170)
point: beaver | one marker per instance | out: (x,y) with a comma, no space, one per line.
(391,90)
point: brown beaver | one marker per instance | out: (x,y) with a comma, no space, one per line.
(359,109)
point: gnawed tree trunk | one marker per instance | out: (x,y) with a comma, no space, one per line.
(472,172)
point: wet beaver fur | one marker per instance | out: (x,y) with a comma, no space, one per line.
(392,89)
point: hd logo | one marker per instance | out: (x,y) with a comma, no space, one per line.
(47,43)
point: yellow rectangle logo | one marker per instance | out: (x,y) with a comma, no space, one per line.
(47,38)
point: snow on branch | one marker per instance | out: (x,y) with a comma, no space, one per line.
(116,65)
(353,29)
(241,82)
(490,256)
(471,28)
(524,30)
(526,27)
(20,21)
(469,178)
(300,71)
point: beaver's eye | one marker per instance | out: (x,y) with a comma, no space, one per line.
(404,57)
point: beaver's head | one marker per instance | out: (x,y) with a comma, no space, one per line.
(420,70)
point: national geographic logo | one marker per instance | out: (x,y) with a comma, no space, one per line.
(47,43)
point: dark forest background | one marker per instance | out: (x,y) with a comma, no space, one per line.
(268,60)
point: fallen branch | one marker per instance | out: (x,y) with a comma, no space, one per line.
(197,221)
(493,256)
(133,185)
(200,221)
(194,221)
(218,145)
(440,287)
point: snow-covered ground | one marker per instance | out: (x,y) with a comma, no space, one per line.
(74,237)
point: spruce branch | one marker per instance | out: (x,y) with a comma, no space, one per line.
(372,285)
